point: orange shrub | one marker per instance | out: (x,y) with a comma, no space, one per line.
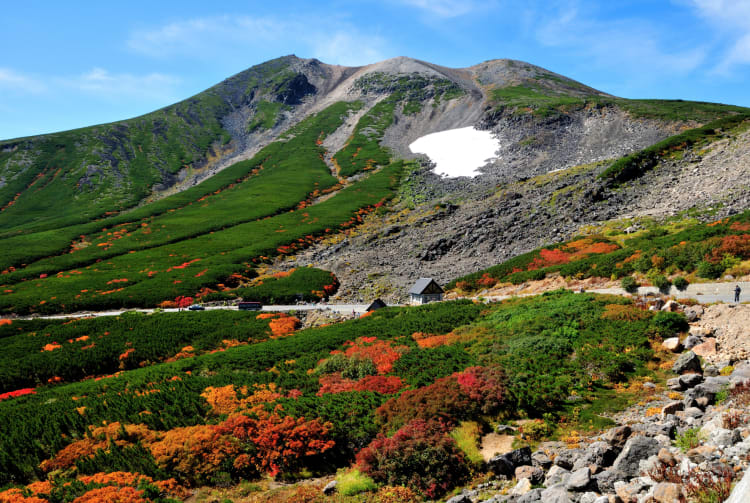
(194,452)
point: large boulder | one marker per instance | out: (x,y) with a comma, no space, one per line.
(636,449)
(541,460)
(672,344)
(567,458)
(707,348)
(534,473)
(506,464)
(579,480)
(687,362)
(556,475)
(596,456)
(556,494)
(692,340)
(605,481)
(690,380)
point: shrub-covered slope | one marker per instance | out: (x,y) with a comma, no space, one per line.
(375,391)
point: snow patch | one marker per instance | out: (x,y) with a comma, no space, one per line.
(458,152)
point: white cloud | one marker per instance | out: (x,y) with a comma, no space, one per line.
(244,36)
(444,8)
(731,20)
(101,82)
(620,45)
(11,79)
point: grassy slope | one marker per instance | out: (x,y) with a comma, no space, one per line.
(83,174)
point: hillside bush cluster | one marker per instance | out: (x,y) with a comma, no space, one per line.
(364,391)
(708,250)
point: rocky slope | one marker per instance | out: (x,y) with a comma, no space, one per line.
(679,443)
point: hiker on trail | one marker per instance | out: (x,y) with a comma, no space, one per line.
(737,291)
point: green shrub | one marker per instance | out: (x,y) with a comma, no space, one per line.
(354,482)
(709,270)
(689,439)
(629,284)
(661,282)
(680,283)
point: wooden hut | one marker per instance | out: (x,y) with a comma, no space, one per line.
(425,290)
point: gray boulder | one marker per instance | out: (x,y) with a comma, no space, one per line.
(541,460)
(690,380)
(555,494)
(461,498)
(556,475)
(637,448)
(567,458)
(579,480)
(533,496)
(605,481)
(534,473)
(506,464)
(598,454)
(675,384)
(691,341)
(687,362)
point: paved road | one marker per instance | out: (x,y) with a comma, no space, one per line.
(705,293)
(338,308)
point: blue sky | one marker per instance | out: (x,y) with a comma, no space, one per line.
(72,64)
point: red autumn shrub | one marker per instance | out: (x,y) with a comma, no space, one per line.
(386,385)
(273,444)
(483,385)
(486,280)
(443,399)
(736,245)
(463,395)
(420,455)
(381,353)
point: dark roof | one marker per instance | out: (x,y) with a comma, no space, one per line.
(421,285)
(376,304)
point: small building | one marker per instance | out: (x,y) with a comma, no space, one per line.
(425,290)
(376,304)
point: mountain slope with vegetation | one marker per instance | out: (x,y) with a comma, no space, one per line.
(112,215)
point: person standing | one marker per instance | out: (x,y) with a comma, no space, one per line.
(737,291)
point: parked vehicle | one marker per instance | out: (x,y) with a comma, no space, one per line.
(249,306)
(196,307)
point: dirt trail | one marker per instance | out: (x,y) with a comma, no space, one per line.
(494,444)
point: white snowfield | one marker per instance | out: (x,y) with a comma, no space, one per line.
(458,152)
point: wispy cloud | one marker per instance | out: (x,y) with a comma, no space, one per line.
(731,21)
(444,8)
(96,82)
(13,80)
(217,36)
(633,46)
(101,82)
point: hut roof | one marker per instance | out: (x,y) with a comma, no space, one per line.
(422,284)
